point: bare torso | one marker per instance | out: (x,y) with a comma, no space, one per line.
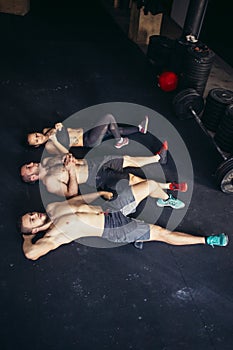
(84,221)
(76,137)
(55,173)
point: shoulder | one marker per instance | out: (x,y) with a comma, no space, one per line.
(51,148)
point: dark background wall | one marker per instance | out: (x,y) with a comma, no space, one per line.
(217,26)
(217,29)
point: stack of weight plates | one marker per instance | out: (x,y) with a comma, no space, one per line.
(180,52)
(224,176)
(216,103)
(160,52)
(197,64)
(224,134)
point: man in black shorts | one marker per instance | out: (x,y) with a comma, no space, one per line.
(70,220)
(62,175)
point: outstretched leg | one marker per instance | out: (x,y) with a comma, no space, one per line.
(157,233)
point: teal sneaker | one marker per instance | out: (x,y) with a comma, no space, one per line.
(171,202)
(220,240)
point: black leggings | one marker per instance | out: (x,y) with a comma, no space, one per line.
(107,127)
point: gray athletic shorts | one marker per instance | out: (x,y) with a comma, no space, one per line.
(102,168)
(121,229)
(124,202)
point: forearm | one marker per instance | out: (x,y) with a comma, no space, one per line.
(86,198)
(27,244)
(52,161)
(72,185)
(60,147)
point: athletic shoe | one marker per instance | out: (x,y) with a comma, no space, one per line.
(143,126)
(170,202)
(219,240)
(163,153)
(124,141)
(182,187)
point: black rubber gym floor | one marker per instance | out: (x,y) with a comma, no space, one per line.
(65,57)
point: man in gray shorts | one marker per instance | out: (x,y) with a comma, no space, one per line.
(70,220)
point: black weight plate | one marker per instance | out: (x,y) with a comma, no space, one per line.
(210,126)
(187,101)
(197,104)
(201,52)
(196,75)
(224,147)
(226,124)
(209,122)
(224,176)
(214,103)
(214,108)
(229,110)
(211,116)
(183,93)
(223,136)
(221,95)
(197,68)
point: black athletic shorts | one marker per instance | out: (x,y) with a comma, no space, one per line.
(105,171)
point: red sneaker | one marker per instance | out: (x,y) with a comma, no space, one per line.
(182,187)
(163,153)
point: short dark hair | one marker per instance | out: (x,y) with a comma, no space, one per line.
(21,228)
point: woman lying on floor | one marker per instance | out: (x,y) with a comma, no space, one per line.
(59,139)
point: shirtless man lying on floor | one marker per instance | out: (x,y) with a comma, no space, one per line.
(62,175)
(70,220)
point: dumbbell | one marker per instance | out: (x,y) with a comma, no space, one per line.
(189,104)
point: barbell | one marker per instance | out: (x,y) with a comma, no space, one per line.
(189,104)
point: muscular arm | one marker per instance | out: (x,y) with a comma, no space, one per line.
(89,197)
(60,159)
(34,251)
(60,188)
(76,204)
(52,161)
(72,185)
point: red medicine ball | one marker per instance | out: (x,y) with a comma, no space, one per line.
(167,81)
